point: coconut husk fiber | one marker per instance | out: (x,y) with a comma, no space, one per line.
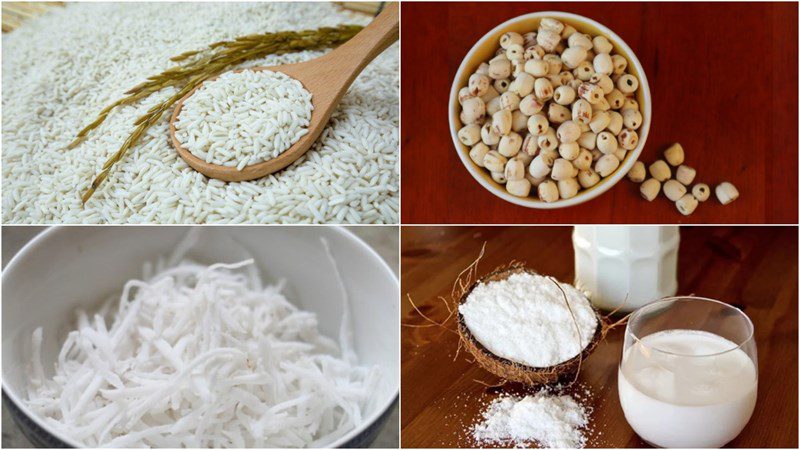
(513,371)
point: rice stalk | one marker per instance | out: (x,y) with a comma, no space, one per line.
(200,65)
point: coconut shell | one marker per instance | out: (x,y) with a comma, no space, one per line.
(511,370)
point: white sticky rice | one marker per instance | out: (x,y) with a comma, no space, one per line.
(244,118)
(60,70)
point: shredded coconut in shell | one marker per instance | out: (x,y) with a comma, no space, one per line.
(201,356)
(525,319)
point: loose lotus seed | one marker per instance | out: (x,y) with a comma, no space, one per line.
(637,173)
(649,189)
(660,171)
(674,190)
(686,204)
(685,175)
(701,192)
(726,192)
(674,154)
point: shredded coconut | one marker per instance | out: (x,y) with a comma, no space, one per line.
(243,118)
(544,419)
(525,319)
(201,356)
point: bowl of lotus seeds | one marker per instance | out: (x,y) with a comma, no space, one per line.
(549,109)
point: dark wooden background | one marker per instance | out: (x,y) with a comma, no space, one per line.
(723,79)
(752,267)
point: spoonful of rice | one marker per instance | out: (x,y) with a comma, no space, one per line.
(249,123)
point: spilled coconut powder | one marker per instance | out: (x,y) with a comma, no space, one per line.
(202,356)
(525,319)
(546,419)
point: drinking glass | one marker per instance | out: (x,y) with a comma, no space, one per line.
(688,375)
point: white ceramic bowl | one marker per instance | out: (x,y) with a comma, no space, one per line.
(70,267)
(484,50)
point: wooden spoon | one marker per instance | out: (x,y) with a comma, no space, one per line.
(327,78)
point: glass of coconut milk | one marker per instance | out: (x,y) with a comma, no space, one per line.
(689,374)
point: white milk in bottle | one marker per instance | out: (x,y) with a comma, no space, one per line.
(625,267)
(687,388)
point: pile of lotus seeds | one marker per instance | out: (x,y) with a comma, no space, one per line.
(570,98)
(677,189)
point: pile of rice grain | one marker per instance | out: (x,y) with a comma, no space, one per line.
(59,71)
(243,118)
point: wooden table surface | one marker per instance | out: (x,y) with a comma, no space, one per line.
(723,79)
(752,267)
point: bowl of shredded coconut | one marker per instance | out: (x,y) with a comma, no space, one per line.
(187,337)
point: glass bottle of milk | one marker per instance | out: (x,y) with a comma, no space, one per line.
(626,267)
(688,375)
